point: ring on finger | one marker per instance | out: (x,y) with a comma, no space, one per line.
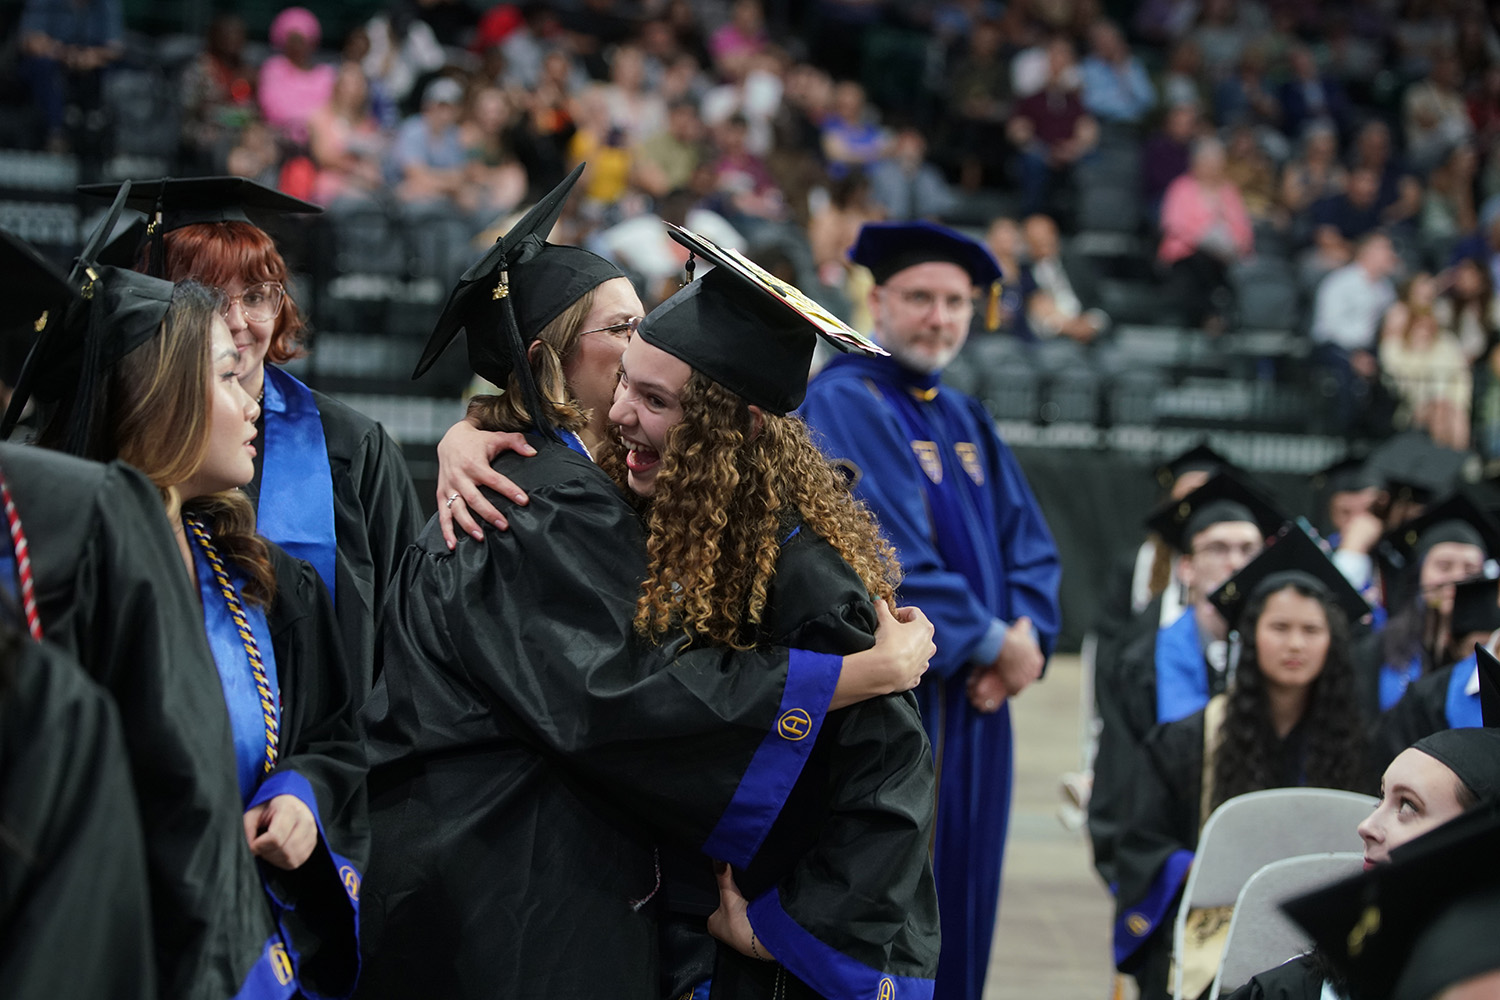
(451,497)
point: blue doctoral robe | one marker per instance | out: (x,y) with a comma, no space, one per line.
(976,555)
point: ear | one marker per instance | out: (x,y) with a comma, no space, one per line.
(757,421)
(1185,570)
(532,348)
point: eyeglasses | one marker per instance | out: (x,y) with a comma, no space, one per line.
(1223,550)
(625,329)
(921,300)
(260,303)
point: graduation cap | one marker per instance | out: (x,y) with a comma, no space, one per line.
(1409,929)
(109,312)
(170,203)
(1455,519)
(1291,556)
(1224,498)
(746,329)
(1476,606)
(1348,475)
(1199,458)
(889,247)
(36,293)
(506,298)
(1412,468)
(1489,686)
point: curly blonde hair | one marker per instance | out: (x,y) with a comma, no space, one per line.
(724,500)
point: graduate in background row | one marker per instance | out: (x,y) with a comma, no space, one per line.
(330,485)
(1170,671)
(73,889)
(1289,718)
(103,569)
(156,384)
(515,698)
(1435,780)
(973,545)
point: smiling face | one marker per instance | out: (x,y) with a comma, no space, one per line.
(229,459)
(1418,793)
(922,314)
(1291,640)
(647,404)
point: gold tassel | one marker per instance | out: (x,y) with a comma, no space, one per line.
(992,308)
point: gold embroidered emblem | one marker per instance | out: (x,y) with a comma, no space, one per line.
(794,724)
(887,989)
(1137,924)
(931,461)
(281,963)
(969,456)
(351,882)
(1369,923)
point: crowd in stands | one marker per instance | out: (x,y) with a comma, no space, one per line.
(1241,135)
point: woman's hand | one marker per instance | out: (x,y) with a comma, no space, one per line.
(903,647)
(464,457)
(282,832)
(730,923)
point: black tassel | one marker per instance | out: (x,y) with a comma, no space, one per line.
(531,395)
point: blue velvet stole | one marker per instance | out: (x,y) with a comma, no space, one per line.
(1394,681)
(1181,672)
(246,717)
(296,484)
(1462,709)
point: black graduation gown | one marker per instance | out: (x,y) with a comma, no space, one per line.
(73,893)
(112,592)
(1299,979)
(376,515)
(321,748)
(516,733)
(1422,711)
(842,892)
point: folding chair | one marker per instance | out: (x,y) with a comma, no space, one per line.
(1252,830)
(1261,937)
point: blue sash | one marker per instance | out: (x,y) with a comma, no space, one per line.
(1181,673)
(1462,708)
(1394,681)
(575,442)
(296,484)
(246,717)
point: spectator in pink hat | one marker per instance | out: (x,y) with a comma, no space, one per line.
(292,87)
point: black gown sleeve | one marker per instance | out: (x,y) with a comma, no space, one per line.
(73,889)
(1299,979)
(1422,711)
(322,762)
(1125,697)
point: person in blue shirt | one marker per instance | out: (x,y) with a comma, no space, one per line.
(975,549)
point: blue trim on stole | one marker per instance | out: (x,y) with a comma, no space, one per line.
(272,977)
(575,443)
(1394,682)
(1181,673)
(1138,923)
(828,971)
(247,719)
(778,761)
(1463,709)
(295,509)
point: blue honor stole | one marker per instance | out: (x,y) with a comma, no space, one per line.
(1395,680)
(1182,685)
(248,719)
(295,509)
(1461,707)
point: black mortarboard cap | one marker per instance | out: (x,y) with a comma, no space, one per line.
(1348,475)
(1377,927)
(1489,686)
(1472,754)
(512,292)
(1476,606)
(111,311)
(1455,519)
(1291,556)
(1225,497)
(1411,467)
(749,331)
(1199,458)
(186,201)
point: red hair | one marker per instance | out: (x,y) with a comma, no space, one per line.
(217,253)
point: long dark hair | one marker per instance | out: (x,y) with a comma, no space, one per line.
(1414,629)
(1334,747)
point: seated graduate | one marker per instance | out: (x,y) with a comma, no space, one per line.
(1422,559)
(527,749)
(155,383)
(100,576)
(753,538)
(73,891)
(1288,718)
(330,486)
(1448,698)
(1421,927)
(1171,669)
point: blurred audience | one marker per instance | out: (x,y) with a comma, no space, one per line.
(906,185)
(1205,229)
(218,93)
(346,142)
(1051,130)
(293,84)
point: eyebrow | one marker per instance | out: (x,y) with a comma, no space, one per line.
(231,353)
(1399,789)
(648,385)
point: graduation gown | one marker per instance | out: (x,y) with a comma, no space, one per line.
(976,554)
(1299,979)
(332,487)
(1162,676)
(73,889)
(518,733)
(842,893)
(1441,700)
(112,592)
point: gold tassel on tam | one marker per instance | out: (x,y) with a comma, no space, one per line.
(992,308)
